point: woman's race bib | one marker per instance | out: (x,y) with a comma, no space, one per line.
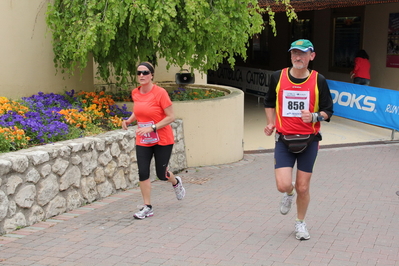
(148,138)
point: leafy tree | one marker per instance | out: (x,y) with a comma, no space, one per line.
(120,33)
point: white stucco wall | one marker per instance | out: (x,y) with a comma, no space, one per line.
(26,53)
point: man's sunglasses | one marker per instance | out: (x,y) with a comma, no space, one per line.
(145,73)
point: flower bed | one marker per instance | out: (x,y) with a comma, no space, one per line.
(176,92)
(48,118)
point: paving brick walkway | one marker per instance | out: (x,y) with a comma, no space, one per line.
(230,217)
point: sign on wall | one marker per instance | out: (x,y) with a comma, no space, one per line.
(393,41)
(250,80)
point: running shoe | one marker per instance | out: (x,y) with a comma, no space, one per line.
(144,213)
(301,232)
(179,189)
(286,202)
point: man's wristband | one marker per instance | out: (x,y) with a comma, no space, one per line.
(317,117)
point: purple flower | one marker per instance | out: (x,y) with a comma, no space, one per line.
(41,101)
(119,111)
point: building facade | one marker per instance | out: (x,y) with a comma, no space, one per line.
(337,34)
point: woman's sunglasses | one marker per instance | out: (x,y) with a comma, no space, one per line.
(145,73)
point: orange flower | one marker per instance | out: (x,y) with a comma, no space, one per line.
(16,137)
(7,105)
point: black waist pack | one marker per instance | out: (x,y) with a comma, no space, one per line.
(297,143)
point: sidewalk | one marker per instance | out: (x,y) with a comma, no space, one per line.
(230,216)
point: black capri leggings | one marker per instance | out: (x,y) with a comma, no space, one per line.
(144,156)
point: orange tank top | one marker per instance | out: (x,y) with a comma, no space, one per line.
(291,99)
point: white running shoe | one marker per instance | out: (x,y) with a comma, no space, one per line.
(301,232)
(286,202)
(179,189)
(144,213)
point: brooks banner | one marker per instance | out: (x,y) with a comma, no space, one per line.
(366,104)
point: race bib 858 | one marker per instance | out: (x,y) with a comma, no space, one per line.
(294,102)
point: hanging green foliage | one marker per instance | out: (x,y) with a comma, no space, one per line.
(121,33)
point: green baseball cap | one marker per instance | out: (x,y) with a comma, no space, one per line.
(303,45)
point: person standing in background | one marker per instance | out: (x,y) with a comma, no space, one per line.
(361,72)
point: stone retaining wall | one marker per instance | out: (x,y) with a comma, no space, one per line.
(45,181)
